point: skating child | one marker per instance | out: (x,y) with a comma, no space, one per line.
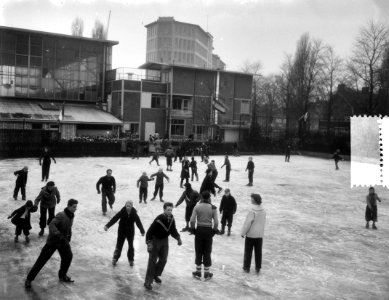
(250,167)
(336,157)
(371,207)
(127,217)
(228,208)
(21,218)
(184,172)
(21,181)
(159,184)
(206,159)
(228,168)
(155,157)
(142,184)
(287,153)
(193,167)
(169,154)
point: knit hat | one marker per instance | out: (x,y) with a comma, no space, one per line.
(257,198)
(50,183)
(187,185)
(29,203)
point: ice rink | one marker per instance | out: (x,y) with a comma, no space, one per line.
(315,245)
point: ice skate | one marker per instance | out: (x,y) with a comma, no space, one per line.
(27,284)
(197,274)
(186,228)
(367,225)
(66,278)
(220,190)
(229,232)
(114,261)
(161,200)
(16,239)
(257,271)
(131,263)
(374,227)
(41,233)
(157,279)
(208,276)
(148,286)
(27,239)
(246,270)
(152,199)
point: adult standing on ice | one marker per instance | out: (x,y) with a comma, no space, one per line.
(287,153)
(159,184)
(205,215)
(108,189)
(127,217)
(157,240)
(20,183)
(371,207)
(60,233)
(47,157)
(191,198)
(208,183)
(228,168)
(253,229)
(48,197)
(169,154)
(250,167)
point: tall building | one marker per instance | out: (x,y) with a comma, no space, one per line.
(178,43)
(53,82)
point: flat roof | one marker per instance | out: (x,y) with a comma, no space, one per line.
(80,38)
(161,66)
(171,19)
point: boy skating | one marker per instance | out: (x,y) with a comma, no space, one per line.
(21,219)
(228,168)
(20,183)
(159,184)
(142,184)
(108,189)
(127,217)
(228,208)
(193,167)
(336,157)
(47,157)
(371,207)
(184,172)
(155,157)
(287,153)
(191,198)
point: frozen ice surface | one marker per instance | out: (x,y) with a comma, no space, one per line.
(315,246)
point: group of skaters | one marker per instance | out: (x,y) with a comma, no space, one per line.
(201,218)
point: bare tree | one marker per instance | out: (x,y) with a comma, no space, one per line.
(286,90)
(77,27)
(98,32)
(367,57)
(329,79)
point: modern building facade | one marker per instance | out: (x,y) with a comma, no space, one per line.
(182,102)
(179,43)
(53,82)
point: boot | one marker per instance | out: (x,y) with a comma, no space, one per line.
(27,284)
(114,261)
(131,263)
(229,231)
(41,232)
(148,286)
(374,227)
(367,225)
(197,274)
(152,199)
(222,231)
(16,239)
(208,275)
(157,279)
(27,239)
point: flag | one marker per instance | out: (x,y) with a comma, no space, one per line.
(62,112)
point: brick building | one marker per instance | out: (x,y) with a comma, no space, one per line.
(180,102)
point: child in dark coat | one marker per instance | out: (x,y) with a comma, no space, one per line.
(142,184)
(336,157)
(21,183)
(371,207)
(21,218)
(155,157)
(184,172)
(127,216)
(228,208)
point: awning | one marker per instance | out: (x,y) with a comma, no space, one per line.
(40,111)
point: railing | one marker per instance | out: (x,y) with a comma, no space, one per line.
(135,74)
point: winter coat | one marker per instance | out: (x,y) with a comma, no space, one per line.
(169,153)
(204,213)
(16,214)
(193,165)
(336,157)
(161,228)
(60,229)
(228,205)
(227,163)
(250,166)
(185,169)
(48,199)
(126,221)
(371,200)
(190,196)
(144,181)
(254,225)
(46,156)
(208,185)
(160,176)
(22,177)
(107,183)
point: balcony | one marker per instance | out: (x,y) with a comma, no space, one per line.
(179,113)
(234,124)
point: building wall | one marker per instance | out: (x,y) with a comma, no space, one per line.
(131,108)
(158,116)
(231,135)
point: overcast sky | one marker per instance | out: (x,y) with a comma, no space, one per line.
(254,30)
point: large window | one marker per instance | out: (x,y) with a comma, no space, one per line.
(245,107)
(181,102)
(158,101)
(200,132)
(177,127)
